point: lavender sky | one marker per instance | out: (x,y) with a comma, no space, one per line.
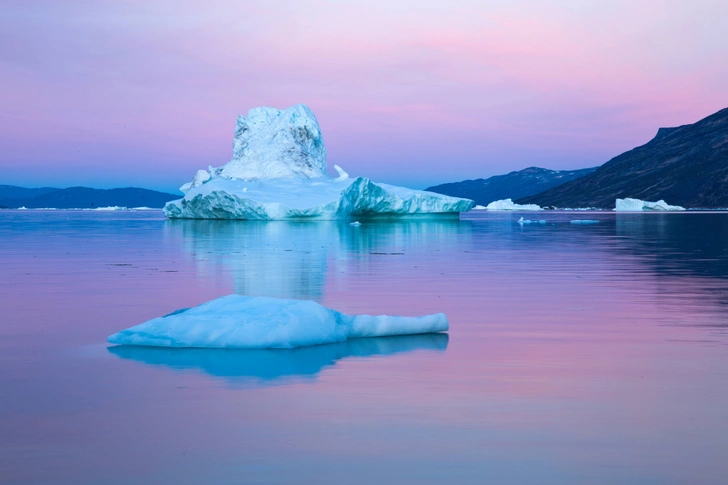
(145,92)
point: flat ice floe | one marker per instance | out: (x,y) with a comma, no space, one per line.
(278,172)
(584,221)
(244,322)
(637,205)
(509,205)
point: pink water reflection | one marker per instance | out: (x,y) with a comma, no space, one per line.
(573,356)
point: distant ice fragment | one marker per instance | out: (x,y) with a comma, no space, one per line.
(523,221)
(637,205)
(508,205)
(584,221)
(479,207)
(244,322)
(278,171)
(355,223)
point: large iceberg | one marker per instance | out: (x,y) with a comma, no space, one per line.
(637,205)
(509,205)
(278,171)
(244,322)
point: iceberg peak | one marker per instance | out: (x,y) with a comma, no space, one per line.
(270,143)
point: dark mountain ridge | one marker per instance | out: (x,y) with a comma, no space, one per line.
(686,165)
(513,185)
(88,198)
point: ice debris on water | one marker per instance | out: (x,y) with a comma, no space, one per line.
(584,221)
(244,322)
(278,172)
(355,223)
(523,221)
(637,205)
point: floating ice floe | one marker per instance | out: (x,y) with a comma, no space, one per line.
(508,205)
(278,171)
(479,208)
(523,221)
(637,205)
(584,221)
(244,322)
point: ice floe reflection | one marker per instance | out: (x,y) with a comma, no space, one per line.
(271,367)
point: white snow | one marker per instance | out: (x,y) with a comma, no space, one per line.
(244,322)
(584,221)
(278,171)
(637,205)
(508,205)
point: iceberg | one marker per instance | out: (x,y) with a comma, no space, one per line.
(278,172)
(508,205)
(245,322)
(637,205)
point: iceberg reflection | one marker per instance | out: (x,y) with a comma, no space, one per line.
(295,259)
(270,367)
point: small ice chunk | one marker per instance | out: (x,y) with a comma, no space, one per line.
(584,221)
(508,205)
(355,223)
(244,322)
(342,175)
(637,205)
(479,208)
(200,178)
(523,221)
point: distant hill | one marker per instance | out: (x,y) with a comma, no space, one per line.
(686,165)
(514,185)
(15,192)
(87,198)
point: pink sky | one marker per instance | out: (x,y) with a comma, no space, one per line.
(144,93)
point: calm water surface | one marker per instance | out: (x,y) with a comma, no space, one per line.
(594,354)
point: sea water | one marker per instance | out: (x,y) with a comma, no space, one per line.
(576,353)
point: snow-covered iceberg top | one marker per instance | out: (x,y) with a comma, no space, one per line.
(637,205)
(278,171)
(509,205)
(243,322)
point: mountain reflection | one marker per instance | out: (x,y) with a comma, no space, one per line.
(270,367)
(677,244)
